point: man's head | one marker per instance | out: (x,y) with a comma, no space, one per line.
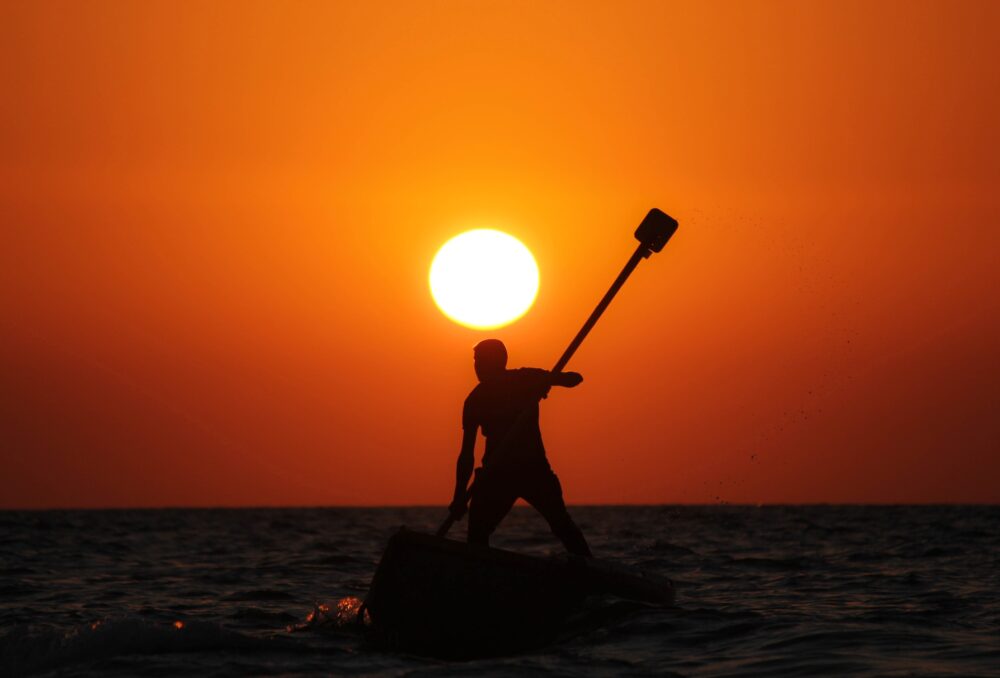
(490,357)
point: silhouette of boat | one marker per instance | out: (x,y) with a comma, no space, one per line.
(446,598)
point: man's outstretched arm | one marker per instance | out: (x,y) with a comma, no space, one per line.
(550,379)
(463,471)
(567,379)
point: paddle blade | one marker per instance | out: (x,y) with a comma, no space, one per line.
(656,229)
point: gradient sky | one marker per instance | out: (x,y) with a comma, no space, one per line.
(216,223)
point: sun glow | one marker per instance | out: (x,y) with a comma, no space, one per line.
(484,279)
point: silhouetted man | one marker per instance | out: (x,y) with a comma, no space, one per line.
(505,406)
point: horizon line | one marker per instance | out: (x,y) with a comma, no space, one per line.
(443,507)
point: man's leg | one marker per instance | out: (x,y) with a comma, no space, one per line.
(543,491)
(491,501)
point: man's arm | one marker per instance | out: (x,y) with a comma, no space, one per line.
(567,379)
(463,471)
(543,380)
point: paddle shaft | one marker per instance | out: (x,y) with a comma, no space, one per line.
(450,520)
(641,252)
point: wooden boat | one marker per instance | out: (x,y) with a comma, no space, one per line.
(447,598)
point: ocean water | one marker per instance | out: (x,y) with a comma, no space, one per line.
(774,590)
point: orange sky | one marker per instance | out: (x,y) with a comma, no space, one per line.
(216,223)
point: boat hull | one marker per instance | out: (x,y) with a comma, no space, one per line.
(446,598)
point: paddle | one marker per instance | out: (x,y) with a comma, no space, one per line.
(652,234)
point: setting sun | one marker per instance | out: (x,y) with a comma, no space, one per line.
(484,278)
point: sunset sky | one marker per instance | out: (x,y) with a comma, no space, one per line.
(217,220)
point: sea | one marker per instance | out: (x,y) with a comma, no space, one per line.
(760,591)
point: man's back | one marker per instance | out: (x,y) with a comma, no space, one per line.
(506,407)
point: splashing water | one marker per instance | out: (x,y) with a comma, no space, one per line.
(345,613)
